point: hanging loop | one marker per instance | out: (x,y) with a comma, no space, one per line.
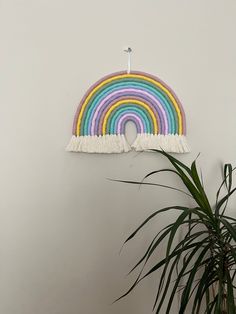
(128,51)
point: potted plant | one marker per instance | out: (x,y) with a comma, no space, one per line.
(202,265)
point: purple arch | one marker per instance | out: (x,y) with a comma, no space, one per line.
(146,97)
(130,117)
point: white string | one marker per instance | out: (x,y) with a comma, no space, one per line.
(129,50)
(129,62)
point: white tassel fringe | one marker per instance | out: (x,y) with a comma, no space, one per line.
(171,143)
(99,144)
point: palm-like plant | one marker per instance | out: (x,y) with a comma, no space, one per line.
(205,258)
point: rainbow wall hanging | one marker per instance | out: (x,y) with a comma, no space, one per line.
(99,123)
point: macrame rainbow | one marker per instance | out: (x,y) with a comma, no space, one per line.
(101,117)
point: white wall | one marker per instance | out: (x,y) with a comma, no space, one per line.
(62,222)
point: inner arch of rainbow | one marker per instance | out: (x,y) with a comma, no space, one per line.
(101,117)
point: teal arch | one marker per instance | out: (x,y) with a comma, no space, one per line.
(129,83)
(142,113)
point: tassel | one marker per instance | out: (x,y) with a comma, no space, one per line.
(98,144)
(171,143)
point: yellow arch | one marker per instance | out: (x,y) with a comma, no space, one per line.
(133,101)
(129,76)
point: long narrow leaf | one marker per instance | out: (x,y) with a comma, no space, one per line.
(189,259)
(140,183)
(152,216)
(229,227)
(187,290)
(197,181)
(230,294)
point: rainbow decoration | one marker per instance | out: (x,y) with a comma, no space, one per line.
(99,123)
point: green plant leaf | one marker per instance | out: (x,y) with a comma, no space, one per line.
(173,160)
(152,246)
(197,181)
(176,226)
(188,260)
(140,183)
(223,200)
(230,294)
(229,227)
(187,289)
(205,282)
(210,307)
(188,182)
(167,285)
(228,170)
(152,216)
(180,248)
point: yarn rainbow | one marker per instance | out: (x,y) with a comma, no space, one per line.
(101,117)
